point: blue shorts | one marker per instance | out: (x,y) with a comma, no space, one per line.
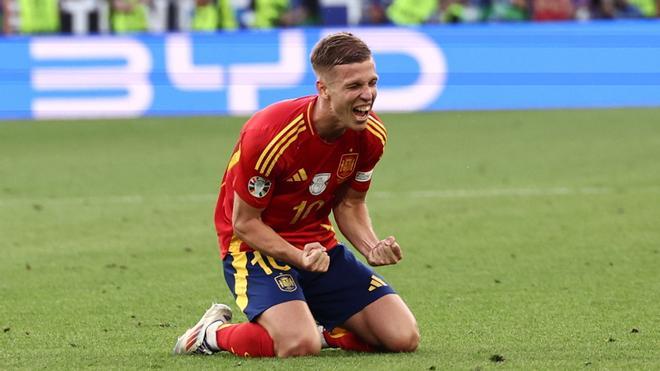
(259,282)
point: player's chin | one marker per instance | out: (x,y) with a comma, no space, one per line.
(358,127)
(359,122)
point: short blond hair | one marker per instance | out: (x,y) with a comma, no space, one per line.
(338,48)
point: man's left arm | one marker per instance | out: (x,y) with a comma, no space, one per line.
(352,217)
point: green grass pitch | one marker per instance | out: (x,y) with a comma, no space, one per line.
(531,241)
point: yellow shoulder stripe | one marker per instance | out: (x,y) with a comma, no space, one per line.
(274,142)
(378,123)
(378,134)
(378,127)
(278,148)
(294,135)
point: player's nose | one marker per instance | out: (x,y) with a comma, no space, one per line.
(366,94)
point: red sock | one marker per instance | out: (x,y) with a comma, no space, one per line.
(341,338)
(246,340)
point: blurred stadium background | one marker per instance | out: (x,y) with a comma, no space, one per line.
(521,174)
(159,57)
(121,16)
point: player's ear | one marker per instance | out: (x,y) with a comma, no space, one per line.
(322,89)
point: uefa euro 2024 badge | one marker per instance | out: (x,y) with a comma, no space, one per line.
(258,186)
(319,182)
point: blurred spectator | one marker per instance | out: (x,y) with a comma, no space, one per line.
(121,16)
(459,11)
(211,15)
(552,10)
(373,12)
(283,13)
(303,13)
(411,12)
(507,11)
(648,8)
(129,16)
(39,16)
(611,9)
(582,10)
(269,13)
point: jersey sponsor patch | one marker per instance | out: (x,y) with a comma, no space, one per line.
(286,282)
(363,176)
(258,186)
(319,182)
(347,165)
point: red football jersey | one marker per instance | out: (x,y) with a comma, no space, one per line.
(281,165)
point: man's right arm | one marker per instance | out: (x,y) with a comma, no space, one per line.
(249,227)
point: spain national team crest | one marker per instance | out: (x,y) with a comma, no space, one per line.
(347,165)
(286,282)
(319,183)
(258,186)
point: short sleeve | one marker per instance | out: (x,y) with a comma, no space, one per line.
(254,178)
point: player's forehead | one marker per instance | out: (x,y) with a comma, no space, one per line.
(354,72)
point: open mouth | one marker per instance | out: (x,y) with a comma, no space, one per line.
(361,113)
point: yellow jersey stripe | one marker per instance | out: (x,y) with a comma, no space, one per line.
(273,155)
(284,147)
(378,122)
(303,174)
(239,262)
(378,127)
(234,159)
(274,140)
(234,244)
(375,127)
(377,134)
(283,137)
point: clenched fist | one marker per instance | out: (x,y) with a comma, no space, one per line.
(314,258)
(385,252)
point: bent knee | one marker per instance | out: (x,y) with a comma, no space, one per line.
(405,341)
(301,346)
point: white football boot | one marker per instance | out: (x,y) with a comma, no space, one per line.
(193,340)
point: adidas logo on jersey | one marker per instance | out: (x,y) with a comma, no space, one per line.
(299,176)
(376,282)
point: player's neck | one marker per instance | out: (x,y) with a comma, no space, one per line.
(325,122)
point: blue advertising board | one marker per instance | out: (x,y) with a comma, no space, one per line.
(471,67)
